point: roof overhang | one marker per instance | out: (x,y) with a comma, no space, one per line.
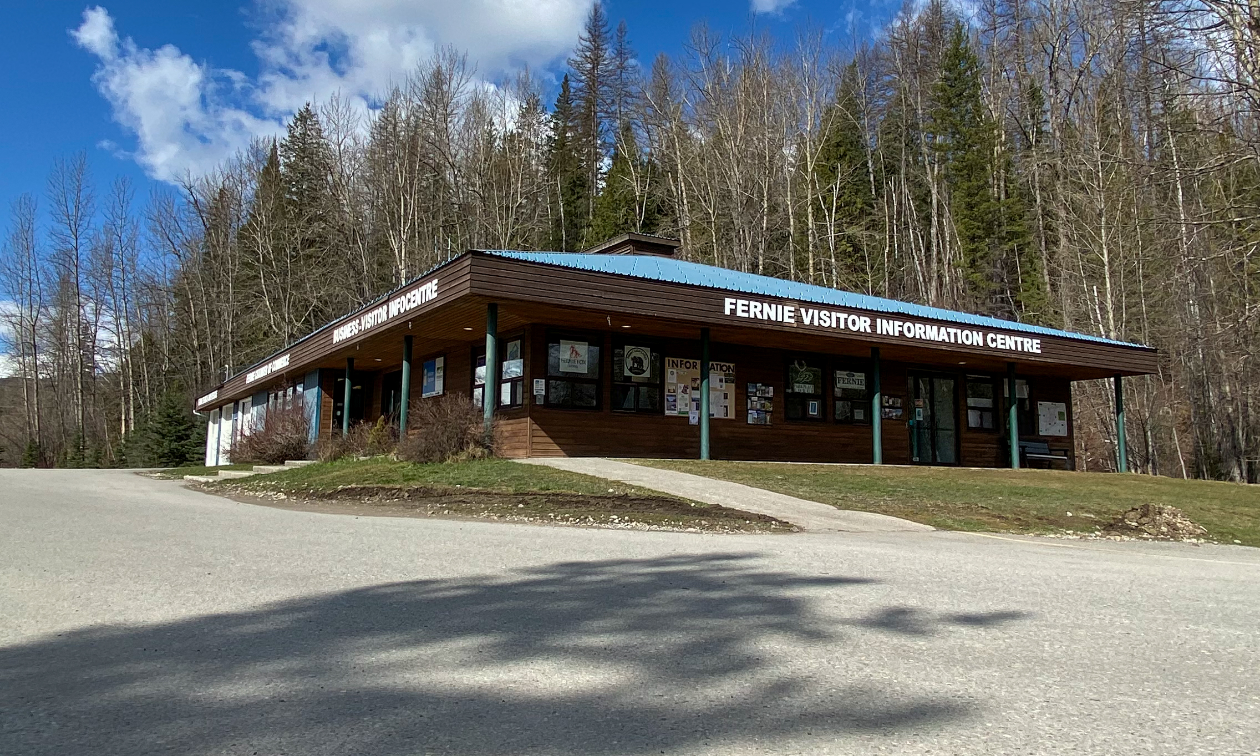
(447,306)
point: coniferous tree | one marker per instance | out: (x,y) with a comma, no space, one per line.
(171,436)
(844,183)
(567,176)
(963,140)
(630,200)
(592,66)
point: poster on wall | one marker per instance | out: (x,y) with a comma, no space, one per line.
(760,398)
(434,377)
(682,388)
(573,356)
(1052,419)
(803,379)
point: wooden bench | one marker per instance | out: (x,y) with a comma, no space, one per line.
(1041,451)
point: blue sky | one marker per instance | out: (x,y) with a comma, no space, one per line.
(153,89)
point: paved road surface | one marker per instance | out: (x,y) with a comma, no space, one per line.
(137,617)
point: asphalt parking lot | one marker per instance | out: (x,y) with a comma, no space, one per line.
(139,617)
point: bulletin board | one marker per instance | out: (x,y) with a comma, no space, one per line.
(682,388)
(1052,419)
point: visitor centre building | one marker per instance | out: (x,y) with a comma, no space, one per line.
(627,351)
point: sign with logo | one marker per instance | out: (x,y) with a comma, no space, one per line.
(573,357)
(637,362)
(803,379)
(850,381)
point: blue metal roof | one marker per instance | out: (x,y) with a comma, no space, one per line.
(656,268)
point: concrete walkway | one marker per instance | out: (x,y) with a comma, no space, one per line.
(810,515)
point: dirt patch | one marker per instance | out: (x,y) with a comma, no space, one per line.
(1156,521)
(611,511)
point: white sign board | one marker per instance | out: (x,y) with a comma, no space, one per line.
(846,380)
(573,357)
(1052,419)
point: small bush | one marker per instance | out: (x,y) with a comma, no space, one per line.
(363,440)
(445,429)
(284,435)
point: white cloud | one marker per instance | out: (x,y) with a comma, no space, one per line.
(770,6)
(188,116)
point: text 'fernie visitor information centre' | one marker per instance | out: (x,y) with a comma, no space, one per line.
(627,351)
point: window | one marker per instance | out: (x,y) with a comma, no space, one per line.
(572,373)
(636,379)
(852,400)
(512,376)
(803,395)
(1024,413)
(479,379)
(981,398)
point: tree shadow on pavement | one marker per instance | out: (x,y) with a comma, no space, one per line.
(582,658)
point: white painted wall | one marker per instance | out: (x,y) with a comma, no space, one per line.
(212,438)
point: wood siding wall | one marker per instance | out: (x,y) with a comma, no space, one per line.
(541,431)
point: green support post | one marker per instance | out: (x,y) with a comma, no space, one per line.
(406,387)
(704,393)
(1012,414)
(877,413)
(1122,453)
(490,393)
(345,399)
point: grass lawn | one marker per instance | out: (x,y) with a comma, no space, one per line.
(1025,501)
(177,473)
(490,488)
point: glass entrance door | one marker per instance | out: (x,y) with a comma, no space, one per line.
(933,420)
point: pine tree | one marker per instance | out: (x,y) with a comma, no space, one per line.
(305,174)
(592,66)
(631,199)
(964,142)
(32,455)
(172,437)
(844,177)
(567,176)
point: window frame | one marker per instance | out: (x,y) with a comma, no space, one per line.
(992,381)
(478,355)
(811,361)
(592,339)
(845,365)
(620,342)
(516,384)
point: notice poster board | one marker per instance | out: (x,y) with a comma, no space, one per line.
(682,388)
(1052,419)
(760,403)
(434,377)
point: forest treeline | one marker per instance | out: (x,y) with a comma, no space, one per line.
(1086,164)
